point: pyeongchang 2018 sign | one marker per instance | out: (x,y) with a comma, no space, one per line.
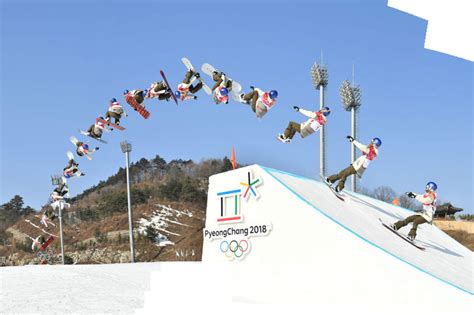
(234,239)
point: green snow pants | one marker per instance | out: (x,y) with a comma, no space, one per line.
(292,129)
(251,98)
(342,176)
(415,219)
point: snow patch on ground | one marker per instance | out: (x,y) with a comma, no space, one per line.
(157,225)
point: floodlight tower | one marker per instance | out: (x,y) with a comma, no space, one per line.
(350,98)
(57,180)
(319,76)
(127,148)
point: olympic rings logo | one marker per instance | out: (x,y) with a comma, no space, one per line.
(234,248)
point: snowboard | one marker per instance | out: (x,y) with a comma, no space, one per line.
(189,66)
(137,107)
(338,195)
(236,87)
(47,243)
(87,134)
(169,87)
(401,236)
(74,141)
(279,138)
(110,124)
(40,228)
(70,156)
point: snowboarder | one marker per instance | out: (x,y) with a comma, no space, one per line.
(426,216)
(115,111)
(369,153)
(58,194)
(138,95)
(72,169)
(159,90)
(259,100)
(96,130)
(47,218)
(82,149)
(186,89)
(38,242)
(314,123)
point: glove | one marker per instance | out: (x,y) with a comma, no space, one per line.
(350,138)
(411,195)
(97,148)
(296,108)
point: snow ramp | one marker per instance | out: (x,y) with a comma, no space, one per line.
(289,238)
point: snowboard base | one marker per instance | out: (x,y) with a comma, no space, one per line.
(137,107)
(169,87)
(401,236)
(118,127)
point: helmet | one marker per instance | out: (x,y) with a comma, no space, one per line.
(326,111)
(113,100)
(223,91)
(125,92)
(273,94)
(377,142)
(85,146)
(431,186)
(177,94)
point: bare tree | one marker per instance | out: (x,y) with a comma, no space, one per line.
(384,193)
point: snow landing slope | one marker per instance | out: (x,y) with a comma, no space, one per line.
(322,248)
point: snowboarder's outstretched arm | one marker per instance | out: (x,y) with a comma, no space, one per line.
(307,113)
(361,146)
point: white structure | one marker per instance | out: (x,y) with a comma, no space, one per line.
(308,246)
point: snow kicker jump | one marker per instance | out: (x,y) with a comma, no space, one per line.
(304,243)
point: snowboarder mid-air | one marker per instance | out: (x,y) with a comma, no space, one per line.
(369,153)
(259,100)
(159,90)
(186,89)
(115,111)
(72,170)
(428,199)
(83,149)
(57,196)
(96,130)
(48,217)
(314,123)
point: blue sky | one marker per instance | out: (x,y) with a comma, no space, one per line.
(61,63)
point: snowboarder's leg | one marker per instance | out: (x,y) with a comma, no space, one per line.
(416,221)
(139,98)
(292,128)
(251,98)
(229,86)
(164,96)
(342,176)
(194,89)
(91,128)
(160,86)
(187,77)
(115,116)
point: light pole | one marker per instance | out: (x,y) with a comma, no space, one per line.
(350,98)
(127,148)
(319,76)
(57,180)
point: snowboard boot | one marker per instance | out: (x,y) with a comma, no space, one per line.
(242,99)
(197,75)
(326,180)
(393,227)
(411,235)
(338,189)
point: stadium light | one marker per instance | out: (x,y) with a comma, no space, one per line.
(319,76)
(127,148)
(57,180)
